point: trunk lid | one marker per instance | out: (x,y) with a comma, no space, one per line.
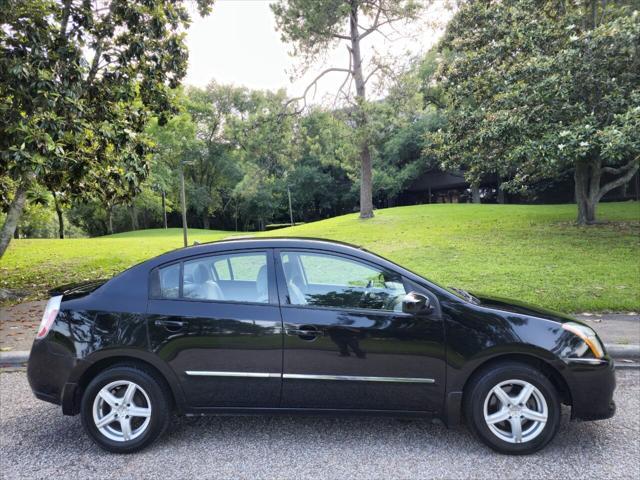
(77,290)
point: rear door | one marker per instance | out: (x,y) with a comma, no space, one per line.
(347,343)
(215,319)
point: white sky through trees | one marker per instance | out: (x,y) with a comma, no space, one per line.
(238,44)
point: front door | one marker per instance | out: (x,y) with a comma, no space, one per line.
(347,343)
(215,319)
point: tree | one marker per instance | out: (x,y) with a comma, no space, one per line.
(323,174)
(535,89)
(398,125)
(212,171)
(262,136)
(78,82)
(176,147)
(315,26)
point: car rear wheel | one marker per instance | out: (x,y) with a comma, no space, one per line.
(513,408)
(125,408)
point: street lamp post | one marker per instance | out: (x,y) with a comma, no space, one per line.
(164,208)
(290,209)
(183,200)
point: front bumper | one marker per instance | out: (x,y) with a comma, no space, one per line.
(592,387)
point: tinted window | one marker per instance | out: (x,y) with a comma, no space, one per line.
(168,282)
(333,281)
(222,268)
(240,277)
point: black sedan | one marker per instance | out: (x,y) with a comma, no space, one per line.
(309,326)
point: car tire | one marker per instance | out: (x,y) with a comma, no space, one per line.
(125,408)
(510,423)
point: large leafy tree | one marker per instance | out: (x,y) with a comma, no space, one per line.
(322,177)
(398,125)
(535,89)
(78,82)
(176,148)
(317,26)
(262,135)
(213,173)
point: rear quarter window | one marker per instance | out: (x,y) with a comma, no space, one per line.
(165,282)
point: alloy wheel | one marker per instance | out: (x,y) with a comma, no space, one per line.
(515,411)
(122,411)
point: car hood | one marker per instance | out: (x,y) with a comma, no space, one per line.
(522,308)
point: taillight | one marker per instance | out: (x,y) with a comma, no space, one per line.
(50,314)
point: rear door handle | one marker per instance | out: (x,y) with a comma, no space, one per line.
(172,325)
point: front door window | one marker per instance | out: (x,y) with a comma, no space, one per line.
(322,280)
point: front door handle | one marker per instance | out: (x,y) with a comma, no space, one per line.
(301,332)
(305,332)
(172,325)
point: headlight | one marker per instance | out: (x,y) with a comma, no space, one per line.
(587,335)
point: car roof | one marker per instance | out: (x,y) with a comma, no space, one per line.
(276,242)
(241,243)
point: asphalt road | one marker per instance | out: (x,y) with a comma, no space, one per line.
(36,441)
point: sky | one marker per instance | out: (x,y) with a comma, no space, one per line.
(238,44)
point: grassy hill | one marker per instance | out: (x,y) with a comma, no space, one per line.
(533,253)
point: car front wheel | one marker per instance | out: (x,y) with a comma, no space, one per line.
(513,408)
(125,408)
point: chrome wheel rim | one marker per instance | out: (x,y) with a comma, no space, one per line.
(122,411)
(515,411)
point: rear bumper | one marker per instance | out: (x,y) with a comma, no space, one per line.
(48,373)
(592,388)
(46,397)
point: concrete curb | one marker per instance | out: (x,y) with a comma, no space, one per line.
(617,351)
(14,358)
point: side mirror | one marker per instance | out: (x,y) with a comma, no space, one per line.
(414,302)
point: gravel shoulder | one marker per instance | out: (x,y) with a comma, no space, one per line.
(36,441)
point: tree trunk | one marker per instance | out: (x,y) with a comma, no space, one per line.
(500,191)
(366,177)
(205,221)
(56,203)
(624,190)
(475,193)
(110,219)
(134,217)
(236,215)
(584,196)
(588,190)
(14,213)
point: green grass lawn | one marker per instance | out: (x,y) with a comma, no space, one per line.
(532,253)
(39,264)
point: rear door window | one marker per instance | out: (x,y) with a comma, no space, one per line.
(235,277)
